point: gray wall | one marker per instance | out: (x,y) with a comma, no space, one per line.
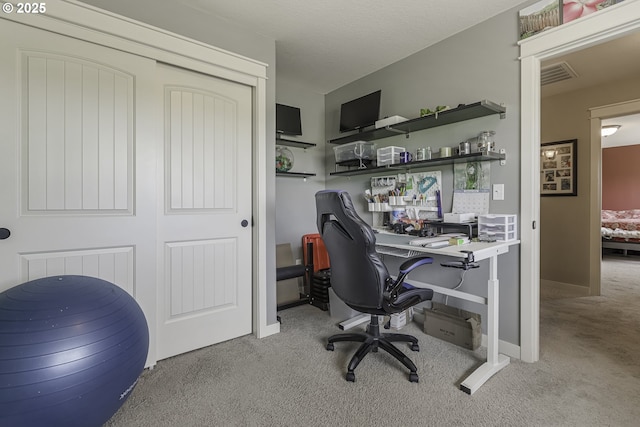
(176,17)
(564,226)
(479,63)
(295,203)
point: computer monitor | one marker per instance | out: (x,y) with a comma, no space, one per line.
(288,120)
(360,113)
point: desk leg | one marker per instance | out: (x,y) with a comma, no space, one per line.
(495,361)
(354,321)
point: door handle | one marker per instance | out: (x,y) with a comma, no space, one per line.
(4,233)
(244,223)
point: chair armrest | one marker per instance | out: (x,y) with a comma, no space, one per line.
(405,269)
(412,263)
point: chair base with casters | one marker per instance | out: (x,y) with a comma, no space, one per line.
(371,341)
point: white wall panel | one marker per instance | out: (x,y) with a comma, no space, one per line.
(36,112)
(114,265)
(105,139)
(201,150)
(73,114)
(200,275)
(78,136)
(90,113)
(54,156)
(122,149)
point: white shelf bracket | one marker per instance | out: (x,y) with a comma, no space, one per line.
(503,151)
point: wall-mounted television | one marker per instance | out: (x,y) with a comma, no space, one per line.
(288,120)
(360,113)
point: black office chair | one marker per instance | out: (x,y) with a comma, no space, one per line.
(361,280)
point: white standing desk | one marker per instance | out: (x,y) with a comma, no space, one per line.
(472,252)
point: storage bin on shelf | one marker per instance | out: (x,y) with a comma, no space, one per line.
(389,155)
(359,150)
(498,227)
(380,207)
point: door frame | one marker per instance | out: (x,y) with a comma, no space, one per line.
(616,21)
(88,23)
(596,115)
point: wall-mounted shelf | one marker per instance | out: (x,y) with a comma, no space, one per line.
(295,174)
(297,144)
(455,115)
(472,157)
(293,143)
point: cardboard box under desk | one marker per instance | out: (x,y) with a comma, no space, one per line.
(454,325)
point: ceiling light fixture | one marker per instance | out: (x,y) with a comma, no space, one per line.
(609,130)
(549,154)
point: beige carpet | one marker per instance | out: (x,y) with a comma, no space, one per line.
(588,375)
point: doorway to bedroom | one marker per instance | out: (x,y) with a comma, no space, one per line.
(570,227)
(620,195)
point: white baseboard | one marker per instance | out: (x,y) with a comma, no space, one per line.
(267,330)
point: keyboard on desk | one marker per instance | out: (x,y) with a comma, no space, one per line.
(438,241)
(397,252)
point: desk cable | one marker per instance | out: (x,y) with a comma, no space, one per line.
(464,266)
(462,274)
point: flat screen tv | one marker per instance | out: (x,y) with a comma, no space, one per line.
(360,113)
(288,120)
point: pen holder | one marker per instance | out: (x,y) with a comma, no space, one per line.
(397,201)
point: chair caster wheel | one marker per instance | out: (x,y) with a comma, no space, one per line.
(330,346)
(413,377)
(351,377)
(415,347)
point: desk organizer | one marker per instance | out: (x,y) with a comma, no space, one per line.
(388,155)
(498,227)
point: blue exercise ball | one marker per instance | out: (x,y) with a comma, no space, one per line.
(71,351)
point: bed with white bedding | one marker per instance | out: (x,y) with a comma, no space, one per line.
(620,229)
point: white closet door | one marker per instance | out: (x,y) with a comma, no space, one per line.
(77,191)
(204,226)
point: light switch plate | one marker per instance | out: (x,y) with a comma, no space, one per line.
(498,191)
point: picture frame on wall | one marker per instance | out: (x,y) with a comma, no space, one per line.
(545,14)
(574,9)
(558,168)
(540,16)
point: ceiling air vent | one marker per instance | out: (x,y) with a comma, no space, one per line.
(556,73)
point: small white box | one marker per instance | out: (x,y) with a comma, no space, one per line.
(498,227)
(389,121)
(398,320)
(459,217)
(389,155)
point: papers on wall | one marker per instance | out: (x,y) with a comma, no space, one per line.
(471,201)
(472,187)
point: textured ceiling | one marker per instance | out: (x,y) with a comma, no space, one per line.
(326,44)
